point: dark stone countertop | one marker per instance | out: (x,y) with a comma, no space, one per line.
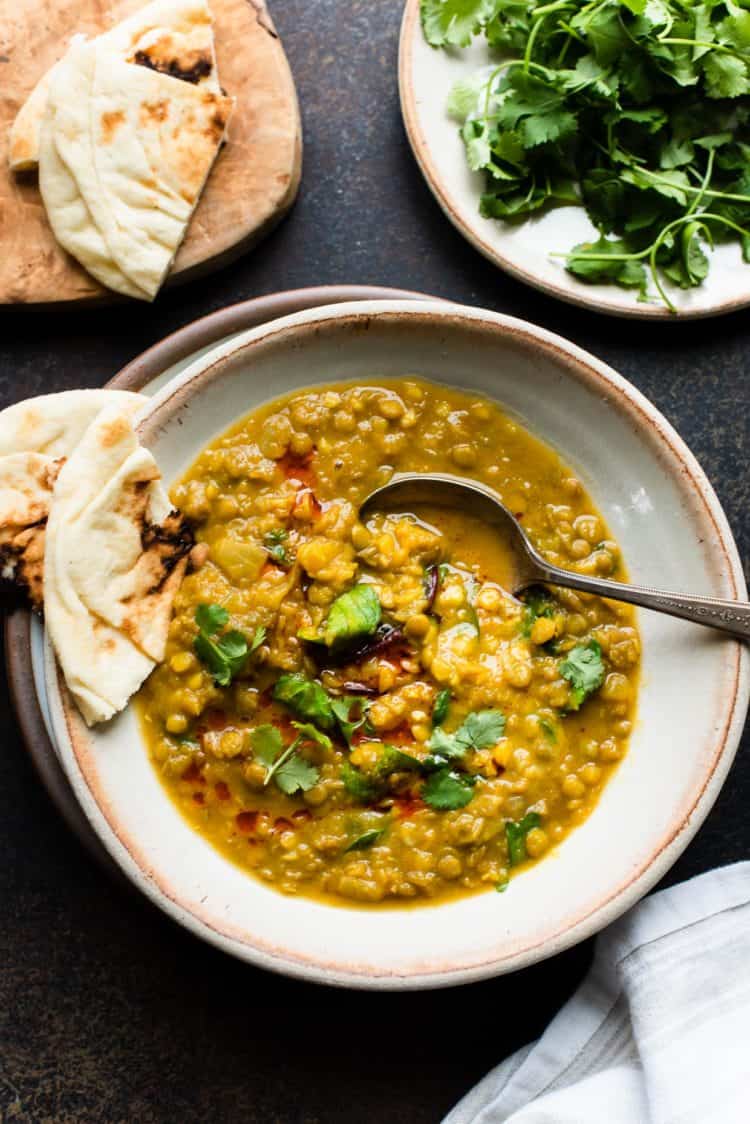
(109,1012)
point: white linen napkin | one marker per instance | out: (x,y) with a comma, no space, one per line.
(657,1033)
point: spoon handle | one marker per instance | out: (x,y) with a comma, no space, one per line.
(728,616)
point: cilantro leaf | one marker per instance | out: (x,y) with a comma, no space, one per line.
(296,775)
(726,76)
(342,709)
(273,543)
(441,706)
(515,834)
(362,788)
(226,656)
(446,790)
(463,97)
(583,667)
(267,744)
(210,618)
(538,603)
(394,760)
(353,615)
(479,730)
(311,734)
(306,698)
(454,22)
(603,261)
(366,840)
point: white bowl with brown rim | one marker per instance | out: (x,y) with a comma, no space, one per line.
(693,695)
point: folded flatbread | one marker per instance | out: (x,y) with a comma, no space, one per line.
(53,424)
(115,555)
(26,483)
(174,37)
(125,152)
(35,437)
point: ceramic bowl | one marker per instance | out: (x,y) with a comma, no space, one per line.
(694,690)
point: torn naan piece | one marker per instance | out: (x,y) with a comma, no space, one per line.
(53,424)
(116,553)
(26,483)
(125,153)
(35,437)
(174,37)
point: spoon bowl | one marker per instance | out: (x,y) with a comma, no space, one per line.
(442,489)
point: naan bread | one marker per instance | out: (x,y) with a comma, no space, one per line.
(35,436)
(138,146)
(174,37)
(115,556)
(26,483)
(53,424)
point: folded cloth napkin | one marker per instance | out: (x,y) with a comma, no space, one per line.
(658,1032)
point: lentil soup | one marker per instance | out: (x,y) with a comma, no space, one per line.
(361,712)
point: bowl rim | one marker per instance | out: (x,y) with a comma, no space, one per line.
(593,373)
(420,146)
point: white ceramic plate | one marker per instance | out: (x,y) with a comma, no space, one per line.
(426,77)
(693,697)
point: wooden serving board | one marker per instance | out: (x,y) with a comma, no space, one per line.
(254,180)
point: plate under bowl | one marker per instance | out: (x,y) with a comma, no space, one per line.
(694,687)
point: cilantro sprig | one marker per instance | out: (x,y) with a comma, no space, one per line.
(224,655)
(310,701)
(479,730)
(639,110)
(291,771)
(275,544)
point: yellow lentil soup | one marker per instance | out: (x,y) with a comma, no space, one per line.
(360,712)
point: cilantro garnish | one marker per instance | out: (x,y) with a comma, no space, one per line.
(273,543)
(342,709)
(361,787)
(227,654)
(367,787)
(306,698)
(441,706)
(638,110)
(515,834)
(290,770)
(502,885)
(447,790)
(537,603)
(583,667)
(366,840)
(479,730)
(353,615)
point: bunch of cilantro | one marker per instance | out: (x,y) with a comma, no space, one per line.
(636,109)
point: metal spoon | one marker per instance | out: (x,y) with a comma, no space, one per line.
(440,489)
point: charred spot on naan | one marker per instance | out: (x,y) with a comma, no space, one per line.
(164,56)
(164,545)
(113,432)
(22,562)
(110,123)
(153,111)
(22,530)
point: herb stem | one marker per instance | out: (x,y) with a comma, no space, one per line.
(281,759)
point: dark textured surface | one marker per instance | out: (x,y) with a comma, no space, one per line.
(110,1013)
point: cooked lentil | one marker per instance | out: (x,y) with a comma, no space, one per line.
(275,500)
